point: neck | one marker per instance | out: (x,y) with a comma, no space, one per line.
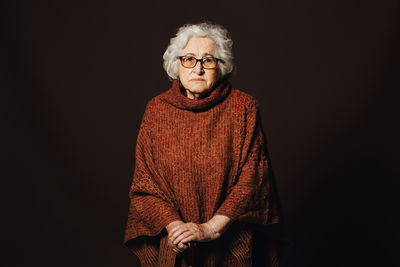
(192,95)
(178,96)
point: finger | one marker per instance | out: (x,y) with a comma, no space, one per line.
(182,246)
(176,228)
(177,234)
(182,236)
(174,235)
(175,249)
(189,238)
(171,245)
(179,249)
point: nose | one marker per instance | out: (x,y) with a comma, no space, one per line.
(198,68)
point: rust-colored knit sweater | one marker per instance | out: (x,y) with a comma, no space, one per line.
(196,159)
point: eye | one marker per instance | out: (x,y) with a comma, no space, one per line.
(208,59)
(188,58)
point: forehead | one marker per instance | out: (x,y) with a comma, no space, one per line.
(199,46)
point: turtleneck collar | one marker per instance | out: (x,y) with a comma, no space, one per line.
(176,96)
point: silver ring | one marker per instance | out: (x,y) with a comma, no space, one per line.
(191,244)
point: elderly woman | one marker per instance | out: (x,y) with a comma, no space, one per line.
(201,185)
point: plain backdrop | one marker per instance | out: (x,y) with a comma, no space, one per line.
(77,77)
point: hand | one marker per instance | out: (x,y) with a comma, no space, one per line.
(177,248)
(187,232)
(180,247)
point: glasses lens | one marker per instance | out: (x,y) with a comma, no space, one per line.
(188,61)
(209,62)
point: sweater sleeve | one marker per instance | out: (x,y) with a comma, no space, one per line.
(152,205)
(250,198)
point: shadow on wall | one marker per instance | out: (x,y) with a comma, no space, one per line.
(346,218)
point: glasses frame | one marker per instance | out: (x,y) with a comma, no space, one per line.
(201,62)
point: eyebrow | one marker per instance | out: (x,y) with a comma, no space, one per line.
(204,54)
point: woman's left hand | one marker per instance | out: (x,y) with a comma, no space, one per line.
(192,232)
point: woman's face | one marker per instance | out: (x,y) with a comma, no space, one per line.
(198,80)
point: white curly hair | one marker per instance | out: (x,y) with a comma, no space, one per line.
(215,32)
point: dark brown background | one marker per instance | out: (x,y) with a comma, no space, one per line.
(79,73)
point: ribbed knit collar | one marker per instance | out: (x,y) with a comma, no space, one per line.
(176,96)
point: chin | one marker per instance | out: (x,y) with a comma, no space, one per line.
(199,90)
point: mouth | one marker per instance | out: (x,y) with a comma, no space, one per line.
(197,80)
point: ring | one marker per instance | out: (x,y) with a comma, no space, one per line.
(191,244)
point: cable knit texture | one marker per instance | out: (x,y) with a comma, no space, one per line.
(196,159)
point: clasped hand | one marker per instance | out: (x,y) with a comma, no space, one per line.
(187,232)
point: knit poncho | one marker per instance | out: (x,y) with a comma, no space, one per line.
(195,159)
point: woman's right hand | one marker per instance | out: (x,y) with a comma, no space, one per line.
(177,248)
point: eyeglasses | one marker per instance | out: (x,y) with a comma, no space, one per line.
(208,63)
